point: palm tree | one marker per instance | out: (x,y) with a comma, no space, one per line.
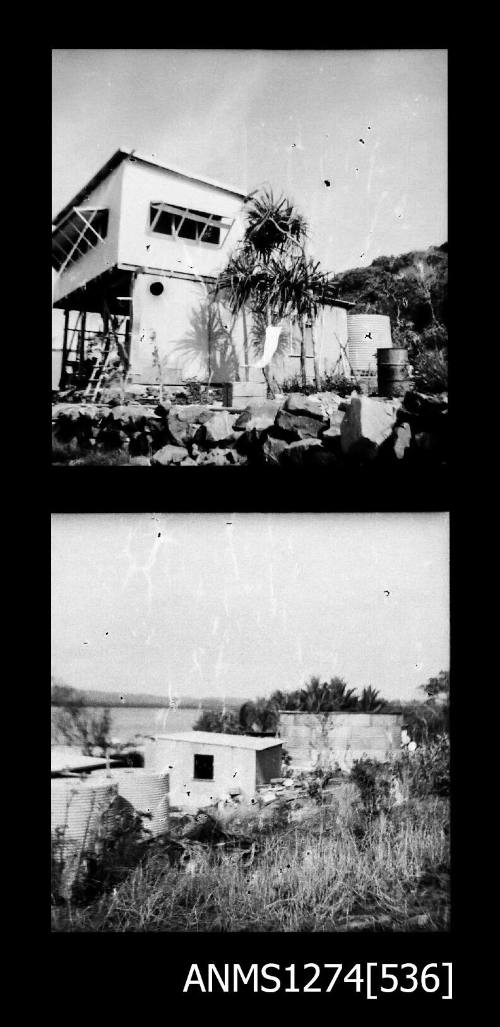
(340,696)
(369,701)
(271,274)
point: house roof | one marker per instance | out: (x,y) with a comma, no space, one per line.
(66,757)
(123,154)
(219,738)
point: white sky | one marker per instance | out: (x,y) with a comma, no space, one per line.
(291,118)
(189,604)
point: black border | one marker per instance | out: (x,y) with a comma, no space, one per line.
(159,962)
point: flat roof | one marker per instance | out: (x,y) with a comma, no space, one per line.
(220,738)
(65,757)
(125,154)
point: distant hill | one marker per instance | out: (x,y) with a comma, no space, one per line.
(412,289)
(62,695)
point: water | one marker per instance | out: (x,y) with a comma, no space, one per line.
(128,721)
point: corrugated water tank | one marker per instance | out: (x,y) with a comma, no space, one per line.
(366,333)
(146,791)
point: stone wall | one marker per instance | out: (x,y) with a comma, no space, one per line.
(321,430)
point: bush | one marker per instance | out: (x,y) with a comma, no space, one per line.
(374,782)
(427,770)
(430,371)
(338,383)
(215,720)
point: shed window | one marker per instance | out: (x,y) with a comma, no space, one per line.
(203,767)
(84,228)
(184,223)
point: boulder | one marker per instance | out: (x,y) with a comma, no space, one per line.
(333,432)
(310,406)
(402,440)
(299,453)
(258,417)
(162,410)
(367,423)
(219,428)
(191,413)
(71,411)
(170,455)
(216,456)
(299,426)
(272,450)
(188,462)
(330,402)
(180,432)
(128,414)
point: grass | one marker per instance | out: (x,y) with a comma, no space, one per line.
(335,869)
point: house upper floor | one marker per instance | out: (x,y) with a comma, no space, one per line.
(138,213)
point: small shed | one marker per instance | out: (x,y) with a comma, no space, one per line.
(205,767)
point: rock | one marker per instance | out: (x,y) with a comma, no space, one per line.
(163,410)
(310,406)
(192,413)
(367,423)
(170,455)
(180,432)
(68,410)
(402,440)
(299,453)
(188,462)
(273,450)
(258,416)
(219,428)
(330,402)
(333,432)
(128,414)
(299,426)
(217,457)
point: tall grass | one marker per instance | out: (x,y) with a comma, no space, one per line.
(335,870)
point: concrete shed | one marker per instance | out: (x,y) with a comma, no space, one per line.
(323,739)
(205,767)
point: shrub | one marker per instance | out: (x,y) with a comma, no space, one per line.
(338,383)
(374,782)
(430,371)
(215,720)
(427,770)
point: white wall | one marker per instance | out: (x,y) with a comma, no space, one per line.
(330,334)
(143,185)
(177,323)
(233,767)
(105,254)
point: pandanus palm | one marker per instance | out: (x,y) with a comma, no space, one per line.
(270,273)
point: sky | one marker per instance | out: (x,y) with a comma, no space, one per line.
(242,604)
(372,123)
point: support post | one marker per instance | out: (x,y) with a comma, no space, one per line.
(62,378)
(81,347)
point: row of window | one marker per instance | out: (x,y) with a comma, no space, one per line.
(84,229)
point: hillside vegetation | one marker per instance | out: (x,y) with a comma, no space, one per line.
(411,288)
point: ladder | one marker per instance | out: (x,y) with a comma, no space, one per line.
(98,372)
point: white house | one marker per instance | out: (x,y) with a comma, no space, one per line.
(141,245)
(205,767)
